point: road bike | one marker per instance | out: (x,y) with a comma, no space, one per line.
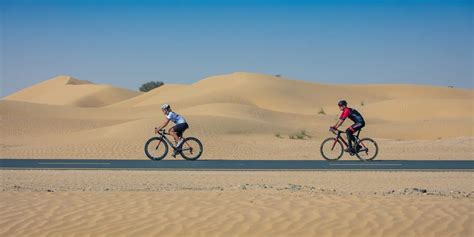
(333,148)
(156,148)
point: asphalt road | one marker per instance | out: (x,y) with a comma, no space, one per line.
(236,164)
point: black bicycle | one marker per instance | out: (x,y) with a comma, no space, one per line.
(333,148)
(156,148)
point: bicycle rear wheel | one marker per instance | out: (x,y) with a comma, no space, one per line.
(368,149)
(332,149)
(191,148)
(156,148)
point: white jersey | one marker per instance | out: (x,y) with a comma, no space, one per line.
(175,118)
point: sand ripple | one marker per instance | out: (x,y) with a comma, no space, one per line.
(187,213)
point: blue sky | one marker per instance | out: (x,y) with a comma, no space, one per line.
(126,43)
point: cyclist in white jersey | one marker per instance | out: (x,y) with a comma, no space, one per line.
(180,124)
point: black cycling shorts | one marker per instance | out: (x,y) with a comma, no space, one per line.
(355,127)
(180,128)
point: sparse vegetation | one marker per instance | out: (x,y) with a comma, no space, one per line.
(150,85)
(301,136)
(362,103)
(278,135)
(278,75)
(321,111)
(303,132)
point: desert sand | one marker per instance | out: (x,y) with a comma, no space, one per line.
(147,203)
(253,114)
(237,116)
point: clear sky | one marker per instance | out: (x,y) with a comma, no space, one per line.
(126,43)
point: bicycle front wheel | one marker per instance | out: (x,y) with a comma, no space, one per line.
(191,148)
(368,149)
(156,148)
(332,149)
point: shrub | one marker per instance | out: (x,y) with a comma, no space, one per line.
(301,136)
(321,111)
(304,134)
(278,135)
(150,85)
(362,103)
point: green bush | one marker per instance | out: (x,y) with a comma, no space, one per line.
(321,111)
(150,85)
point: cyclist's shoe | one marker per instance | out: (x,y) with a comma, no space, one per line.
(175,153)
(358,147)
(350,150)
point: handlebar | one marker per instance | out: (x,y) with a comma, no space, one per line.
(162,132)
(336,131)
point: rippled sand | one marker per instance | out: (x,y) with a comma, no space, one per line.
(188,213)
(149,203)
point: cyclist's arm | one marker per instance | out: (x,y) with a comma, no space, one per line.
(164,124)
(339,123)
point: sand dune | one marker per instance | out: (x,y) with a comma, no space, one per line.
(240,108)
(420,109)
(165,91)
(285,95)
(237,116)
(66,90)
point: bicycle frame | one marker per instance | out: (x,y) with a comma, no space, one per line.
(340,138)
(163,135)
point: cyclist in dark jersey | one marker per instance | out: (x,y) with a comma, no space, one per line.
(353,115)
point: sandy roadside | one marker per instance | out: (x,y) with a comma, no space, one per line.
(247,147)
(149,203)
(341,182)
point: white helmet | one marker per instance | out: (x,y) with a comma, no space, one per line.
(165,106)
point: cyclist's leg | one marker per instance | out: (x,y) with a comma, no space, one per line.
(356,127)
(350,136)
(179,130)
(174,134)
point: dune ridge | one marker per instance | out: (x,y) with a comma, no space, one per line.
(66,90)
(284,95)
(230,109)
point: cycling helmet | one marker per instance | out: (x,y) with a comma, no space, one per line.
(165,106)
(342,102)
